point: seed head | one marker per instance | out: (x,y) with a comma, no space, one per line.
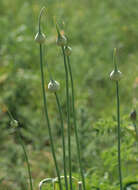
(115,75)
(133,115)
(68,51)
(40,38)
(14,123)
(53,86)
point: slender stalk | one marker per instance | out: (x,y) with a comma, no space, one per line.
(135,126)
(135,129)
(68,119)
(26,158)
(47,117)
(10,115)
(119,141)
(63,140)
(24,150)
(75,124)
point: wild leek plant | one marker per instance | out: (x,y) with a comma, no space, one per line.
(53,86)
(68,53)
(38,38)
(62,41)
(14,124)
(116,75)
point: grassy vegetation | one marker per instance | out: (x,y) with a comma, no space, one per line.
(93,29)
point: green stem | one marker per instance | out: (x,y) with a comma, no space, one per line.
(75,124)
(26,158)
(68,119)
(63,140)
(47,118)
(10,115)
(119,141)
(135,128)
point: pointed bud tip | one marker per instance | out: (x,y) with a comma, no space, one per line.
(115,51)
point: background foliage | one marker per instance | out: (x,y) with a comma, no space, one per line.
(93,28)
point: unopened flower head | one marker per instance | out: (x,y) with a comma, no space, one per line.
(40,38)
(115,75)
(68,51)
(53,86)
(61,40)
(14,123)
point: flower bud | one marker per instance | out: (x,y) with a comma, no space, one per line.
(115,75)
(53,86)
(61,40)
(68,51)
(133,115)
(40,38)
(14,123)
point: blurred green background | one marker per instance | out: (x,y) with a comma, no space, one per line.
(93,29)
